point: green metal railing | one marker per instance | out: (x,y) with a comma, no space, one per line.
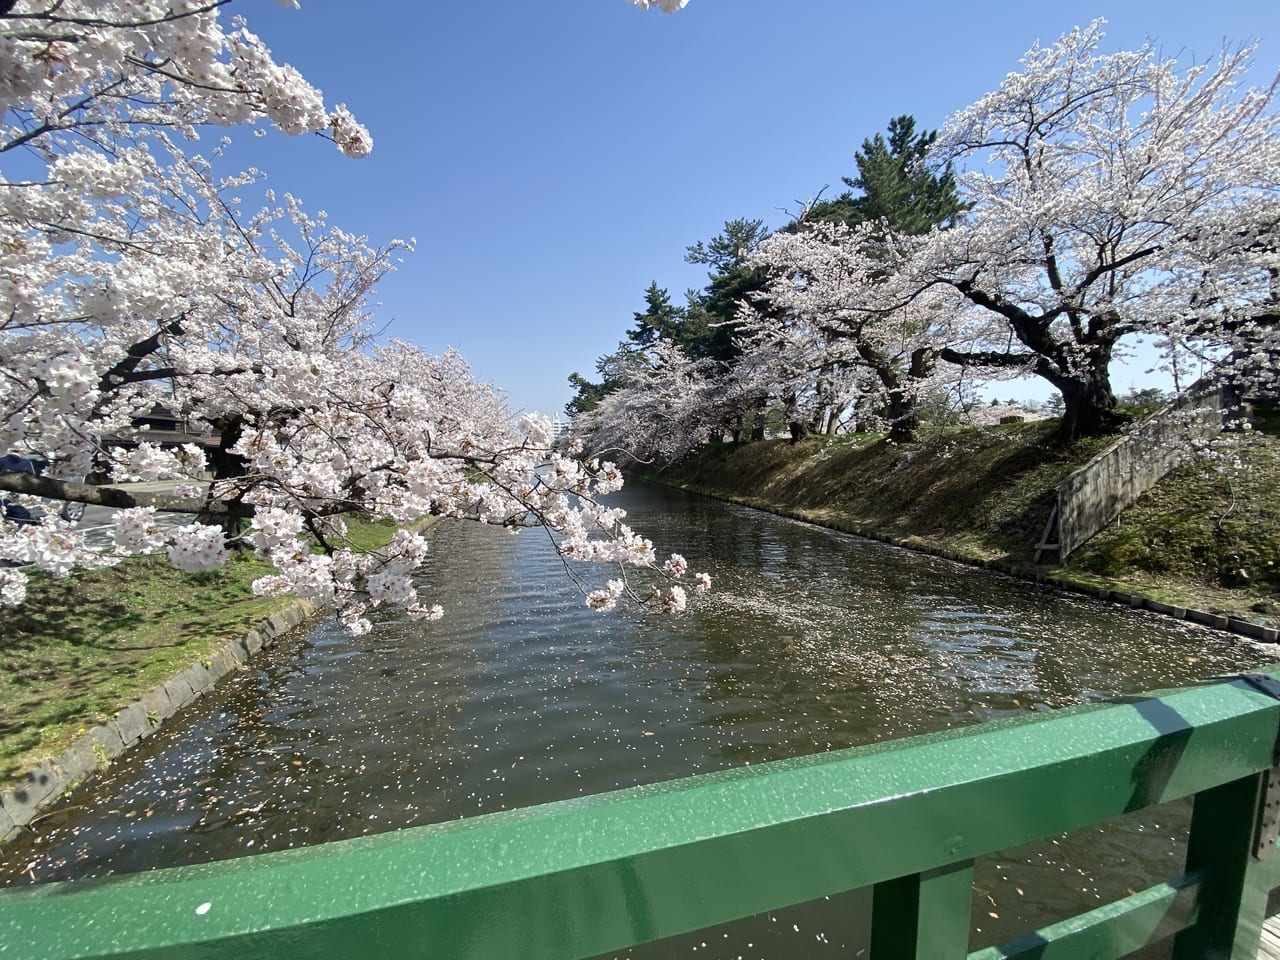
(581,877)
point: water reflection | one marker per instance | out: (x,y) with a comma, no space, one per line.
(811,641)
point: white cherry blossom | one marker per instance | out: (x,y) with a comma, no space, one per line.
(131,275)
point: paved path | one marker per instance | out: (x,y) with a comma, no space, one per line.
(96,521)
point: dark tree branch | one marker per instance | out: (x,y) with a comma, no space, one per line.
(117,497)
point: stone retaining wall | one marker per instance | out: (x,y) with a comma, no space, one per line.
(1095,494)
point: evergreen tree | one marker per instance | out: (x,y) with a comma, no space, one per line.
(660,319)
(587,397)
(899,187)
(733,279)
(895,185)
(708,330)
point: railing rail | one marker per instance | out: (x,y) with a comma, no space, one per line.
(582,877)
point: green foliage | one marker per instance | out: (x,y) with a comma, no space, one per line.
(707,330)
(899,187)
(1140,403)
(896,185)
(587,395)
(660,319)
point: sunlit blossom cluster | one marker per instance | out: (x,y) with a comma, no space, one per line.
(666,6)
(132,276)
(149,461)
(53,546)
(13,588)
(195,548)
(163,63)
(1108,196)
(136,531)
(607,598)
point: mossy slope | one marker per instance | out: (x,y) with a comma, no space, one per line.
(1206,536)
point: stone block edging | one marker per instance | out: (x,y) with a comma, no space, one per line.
(46,784)
(49,782)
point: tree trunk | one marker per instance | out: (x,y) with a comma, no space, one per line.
(904,420)
(757,426)
(1089,406)
(226,465)
(798,428)
(904,414)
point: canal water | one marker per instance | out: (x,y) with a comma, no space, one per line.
(810,641)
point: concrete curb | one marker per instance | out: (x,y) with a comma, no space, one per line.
(45,785)
(1229,624)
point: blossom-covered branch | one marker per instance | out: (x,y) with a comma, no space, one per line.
(129,276)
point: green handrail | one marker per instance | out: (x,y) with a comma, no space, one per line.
(585,876)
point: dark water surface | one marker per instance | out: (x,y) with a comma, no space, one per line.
(810,641)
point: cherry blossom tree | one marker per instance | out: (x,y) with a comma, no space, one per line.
(128,274)
(664,404)
(864,318)
(1113,194)
(814,375)
(844,296)
(93,72)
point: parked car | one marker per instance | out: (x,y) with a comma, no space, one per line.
(13,462)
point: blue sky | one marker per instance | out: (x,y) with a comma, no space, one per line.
(553,158)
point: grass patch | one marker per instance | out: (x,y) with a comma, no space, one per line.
(1211,528)
(81,648)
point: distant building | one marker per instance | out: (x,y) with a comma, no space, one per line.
(560,428)
(164,426)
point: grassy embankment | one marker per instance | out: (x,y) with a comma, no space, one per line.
(1208,536)
(81,648)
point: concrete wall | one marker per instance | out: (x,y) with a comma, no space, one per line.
(1095,494)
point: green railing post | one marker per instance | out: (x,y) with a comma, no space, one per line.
(1233,900)
(924,916)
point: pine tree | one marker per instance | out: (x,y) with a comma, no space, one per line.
(661,318)
(895,185)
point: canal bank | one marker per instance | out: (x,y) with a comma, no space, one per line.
(59,778)
(1128,598)
(116,726)
(1204,546)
